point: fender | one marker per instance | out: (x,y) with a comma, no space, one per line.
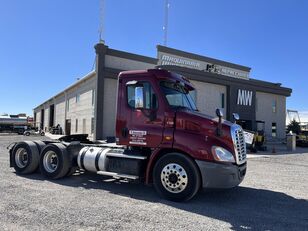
(150,164)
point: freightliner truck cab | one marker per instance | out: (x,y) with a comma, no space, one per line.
(161,139)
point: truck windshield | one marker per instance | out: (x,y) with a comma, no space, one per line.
(177,95)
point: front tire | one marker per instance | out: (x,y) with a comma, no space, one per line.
(54,161)
(176,177)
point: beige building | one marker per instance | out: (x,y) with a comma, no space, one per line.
(89,105)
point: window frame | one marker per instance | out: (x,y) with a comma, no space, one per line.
(141,84)
(77,98)
(76,125)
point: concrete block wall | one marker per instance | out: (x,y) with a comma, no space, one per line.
(265,113)
(126,64)
(60,111)
(83,110)
(208,97)
(110,103)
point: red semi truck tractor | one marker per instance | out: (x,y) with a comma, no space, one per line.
(161,139)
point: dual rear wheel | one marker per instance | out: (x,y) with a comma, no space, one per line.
(52,160)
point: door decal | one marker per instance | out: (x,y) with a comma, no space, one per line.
(137,137)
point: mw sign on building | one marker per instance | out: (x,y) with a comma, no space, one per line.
(244,97)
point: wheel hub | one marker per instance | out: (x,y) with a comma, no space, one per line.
(50,161)
(174,178)
(21,157)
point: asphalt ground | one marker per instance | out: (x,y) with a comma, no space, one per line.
(273,196)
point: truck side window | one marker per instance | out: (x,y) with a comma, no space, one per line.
(149,95)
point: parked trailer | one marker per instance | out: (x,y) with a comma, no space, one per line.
(13,123)
(161,139)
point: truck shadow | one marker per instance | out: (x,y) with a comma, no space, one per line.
(243,207)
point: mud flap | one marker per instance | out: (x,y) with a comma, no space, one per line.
(10,148)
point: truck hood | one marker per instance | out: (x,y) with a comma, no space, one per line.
(208,117)
(205,125)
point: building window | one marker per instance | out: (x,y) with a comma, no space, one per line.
(222,96)
(77,98)
(274,130)
(274,106)
(76,127)
(93,97)
(68,105)
(92,125)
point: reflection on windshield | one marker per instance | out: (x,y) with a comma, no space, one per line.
(177,95)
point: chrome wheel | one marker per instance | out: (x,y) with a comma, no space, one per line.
(174,178)
(21,158)
(50,161)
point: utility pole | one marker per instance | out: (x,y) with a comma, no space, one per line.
(165,27)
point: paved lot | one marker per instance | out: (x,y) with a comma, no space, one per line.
(273,196)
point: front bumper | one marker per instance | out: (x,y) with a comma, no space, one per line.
(221,175)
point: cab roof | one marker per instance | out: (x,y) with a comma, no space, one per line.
(160,74)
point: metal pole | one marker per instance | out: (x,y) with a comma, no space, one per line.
(101,21)
(165,27)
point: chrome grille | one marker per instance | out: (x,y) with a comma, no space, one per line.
(239,143)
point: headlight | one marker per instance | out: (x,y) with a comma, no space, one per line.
(221,154)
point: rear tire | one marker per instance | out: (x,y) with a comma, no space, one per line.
(25,157)
(176,177)
(54,161)
(40,145)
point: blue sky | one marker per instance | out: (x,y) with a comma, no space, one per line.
(46,45)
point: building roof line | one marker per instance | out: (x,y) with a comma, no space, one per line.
(202,58)
(127,55)
(81,80)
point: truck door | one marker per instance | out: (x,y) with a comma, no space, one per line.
(144,121)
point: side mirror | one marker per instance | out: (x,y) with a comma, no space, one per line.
(139,98)
(236,117)
(219,113)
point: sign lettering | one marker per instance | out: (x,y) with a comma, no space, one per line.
(244,97)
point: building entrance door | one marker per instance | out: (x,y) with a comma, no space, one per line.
(68,127)
(246,124)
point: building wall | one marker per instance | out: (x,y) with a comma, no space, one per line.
(60,111)
(46,118)
(38,118)
(208,97)
(264,112)
(126,64)
(110,103)
(83,110)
